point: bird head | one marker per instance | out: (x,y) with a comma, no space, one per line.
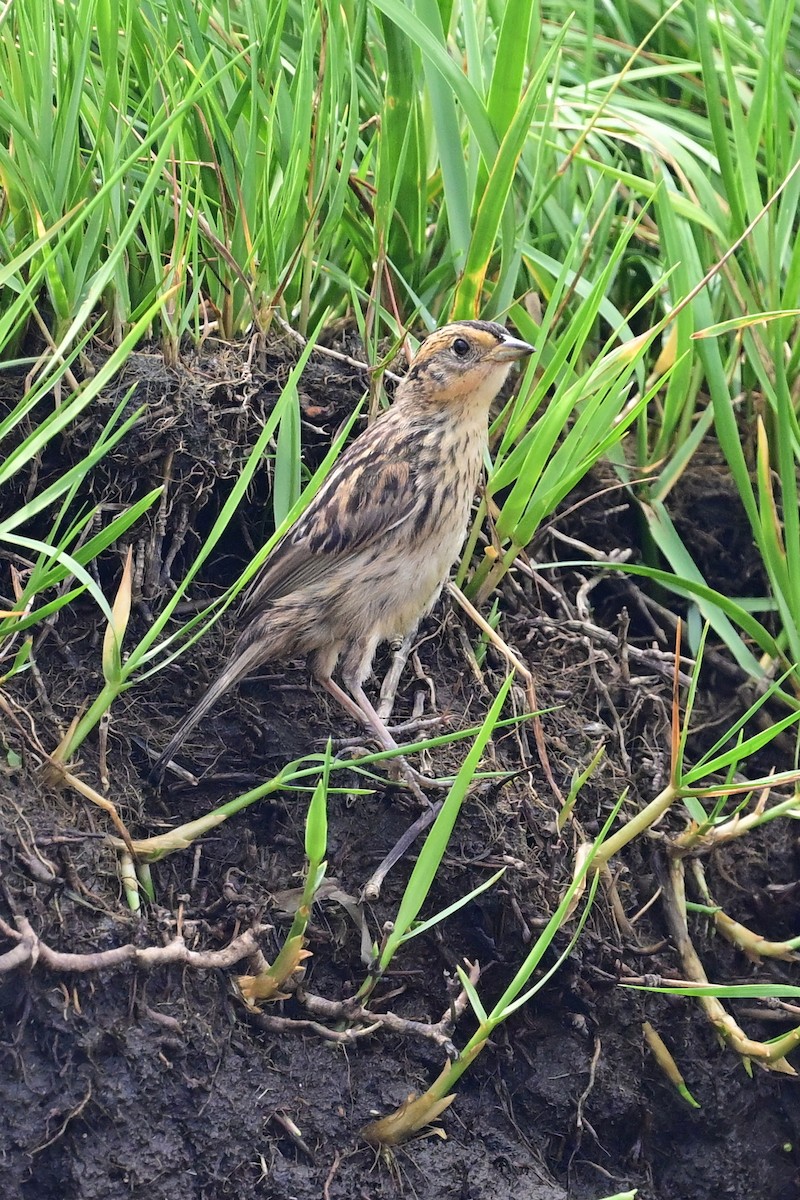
(465,362)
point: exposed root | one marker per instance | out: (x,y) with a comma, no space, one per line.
(31,951)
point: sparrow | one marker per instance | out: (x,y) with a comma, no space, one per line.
(367,559)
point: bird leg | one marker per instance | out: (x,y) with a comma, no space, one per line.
(361,709)
(385,740)
(341,697)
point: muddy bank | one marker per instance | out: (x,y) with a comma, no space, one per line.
(131,1083)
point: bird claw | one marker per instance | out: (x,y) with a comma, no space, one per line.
(401,771)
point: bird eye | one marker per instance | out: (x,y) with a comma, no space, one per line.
(461,347)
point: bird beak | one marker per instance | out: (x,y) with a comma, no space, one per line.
(511,349)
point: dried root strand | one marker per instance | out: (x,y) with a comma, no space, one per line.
(30,951)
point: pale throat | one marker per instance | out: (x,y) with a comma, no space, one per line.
(475,400)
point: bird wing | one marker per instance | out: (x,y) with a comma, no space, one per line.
(368,493)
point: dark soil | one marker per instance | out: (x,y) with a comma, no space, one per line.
(159,1084)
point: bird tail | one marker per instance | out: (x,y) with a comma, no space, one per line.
(246,656)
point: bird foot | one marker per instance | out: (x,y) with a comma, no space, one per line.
(415,725)
(401,771)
